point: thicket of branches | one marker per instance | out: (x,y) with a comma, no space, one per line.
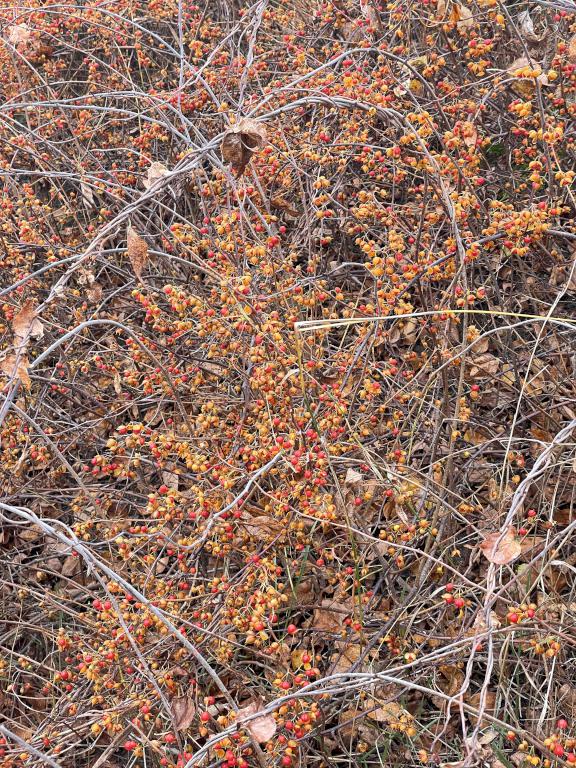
(287,364)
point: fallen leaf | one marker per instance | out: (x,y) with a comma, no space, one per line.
(470,137)
(345,658)
(488,737)
(87,194)
(480,624)
(463,17)
(26,324)
(183,712)
(572,48)
(71,566)
(19,34)
(526,26)
(156,171)
(352,476)
(261,728)
(371,15)
(487,364)
(529,544)
(137,251)
(16,367)
(240,143)
(524,83)
(349,722)
(330,615)
(390,712)
(442,8)
(473,700)
(282,204)
(501,548)
(170,479)
(261,525)
(94,293)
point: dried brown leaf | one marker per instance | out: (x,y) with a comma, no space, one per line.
(353,477)
(170,479)
(501,548)
(389,712)
(71,566)
(19,34)
(526,27)
(572,48)
(330,615)
(137,251)
(156,171)
(473,700)
(26,324)
(16,367)
(261,525)
(183,712)
(282,204)
(240,143)
(87,194)
(470,137)
(94,293)
(463,18)
(345,658)
(261,728)
(487,364)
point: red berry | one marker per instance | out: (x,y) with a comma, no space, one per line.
(459,602)
(558,750)
(449,587)
(130,745)
(562,724)
(571,757)
(205,716)
(513,618)
(291,629)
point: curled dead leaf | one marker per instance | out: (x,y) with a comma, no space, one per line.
(330,615)
(240,143)
(389,712)
(183,712)
(282,204)
(463,18)
(15,367)
(501,548)
(487,364)
(261,728)
(346,657)
(156,171)
(137,251)
(94,293)
(489,708)
(526,72)
(26,324)
(19,34)
(261,525)
(572,48)
(526,27)
(87,194)
(352,477)
(470,137)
